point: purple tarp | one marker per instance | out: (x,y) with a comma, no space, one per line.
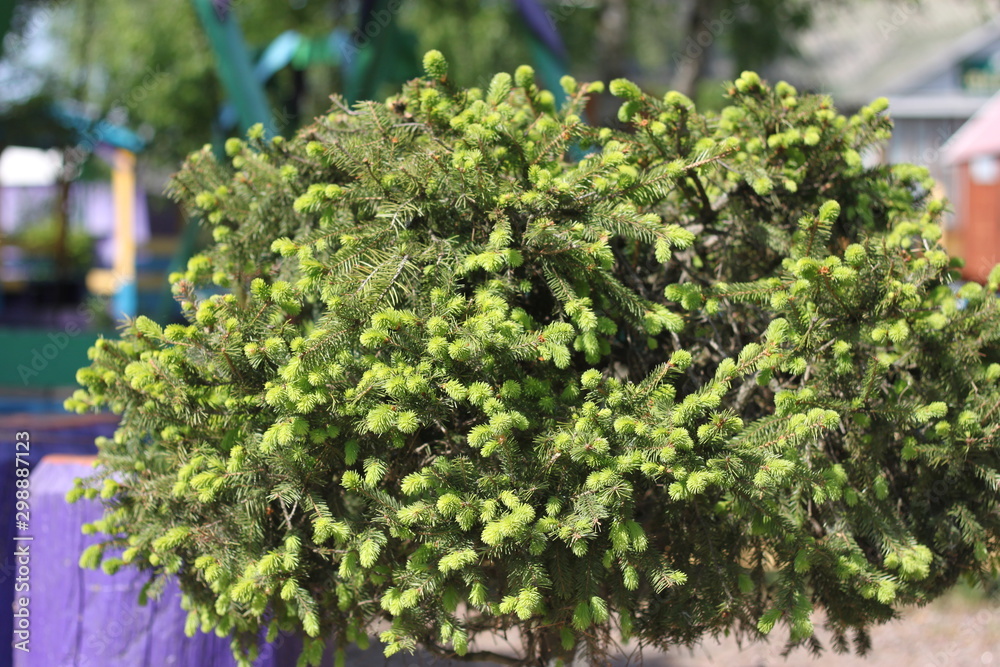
(50,434)
(86,618)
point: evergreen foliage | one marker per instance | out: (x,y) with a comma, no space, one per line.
(442,379)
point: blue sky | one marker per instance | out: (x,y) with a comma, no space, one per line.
(25,56)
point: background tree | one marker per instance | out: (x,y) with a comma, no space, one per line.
(117,47)
(153,66)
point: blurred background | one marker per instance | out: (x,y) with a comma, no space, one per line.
(101,100)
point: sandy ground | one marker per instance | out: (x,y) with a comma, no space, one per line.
(948,633)
(952,632)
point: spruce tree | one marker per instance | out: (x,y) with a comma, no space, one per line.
(459,364)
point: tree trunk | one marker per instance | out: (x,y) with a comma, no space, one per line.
(550,651)
(60,252)
(612,39)
(693,53)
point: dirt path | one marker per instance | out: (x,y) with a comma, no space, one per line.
(951,632)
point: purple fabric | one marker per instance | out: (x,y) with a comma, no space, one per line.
(23,204)
(540,23)
(70,440)
(221,9)
(86,618)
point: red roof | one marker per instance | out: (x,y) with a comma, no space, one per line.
(979,136)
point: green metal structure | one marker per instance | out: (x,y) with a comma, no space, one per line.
(49,359)
(234,64)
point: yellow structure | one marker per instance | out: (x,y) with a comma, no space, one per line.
(120,280)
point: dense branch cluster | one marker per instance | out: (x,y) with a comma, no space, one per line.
(459,363)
